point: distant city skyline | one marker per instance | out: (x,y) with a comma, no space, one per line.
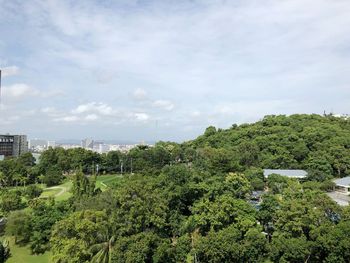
(37,146)
(166,70)
(78,141)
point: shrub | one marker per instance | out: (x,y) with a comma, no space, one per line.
(33,191)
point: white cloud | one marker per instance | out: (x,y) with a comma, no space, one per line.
(195,113)
(68,119)
(85,113)
(225,114)
(51,112)
(141,116)
(52,93)
(140,94)
(94,107)
(91,117)
(233,60)
(163,104)
(19,90)
(9,71)
(48,110)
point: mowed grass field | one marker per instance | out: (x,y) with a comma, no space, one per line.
(105,181)
(60,192)
(21,254)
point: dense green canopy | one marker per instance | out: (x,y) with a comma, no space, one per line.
(195,201)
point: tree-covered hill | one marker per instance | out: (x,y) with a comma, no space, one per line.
(312,142)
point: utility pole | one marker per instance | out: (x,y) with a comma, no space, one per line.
(131,165)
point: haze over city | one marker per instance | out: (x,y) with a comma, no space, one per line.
(165,70)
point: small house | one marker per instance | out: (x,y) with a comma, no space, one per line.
(342,185)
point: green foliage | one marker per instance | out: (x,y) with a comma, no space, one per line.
(73,236)
(142,207)
(303,212)
(44,215)
(256,178)
(210,131)
(319,168)
(277,183)
(335,241)
(175,251)
(19,225)
(111,161)
(18,171)
(237,185)
(310,142)
(103,251)
(267,211)
(53,176)
(192,202)
(4,251)
(248,153)
(82,185)
(139,248)
(33,191)
(215,161)
(327,186)
(69,160)
(292,250)
(34,226)
(222,212)
(229,245)
(11,200)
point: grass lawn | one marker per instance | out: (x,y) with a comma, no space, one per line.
(21,254)
(104,181)
(49,192)
(62,192)
(59,192)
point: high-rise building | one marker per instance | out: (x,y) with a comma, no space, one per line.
(103,148)
(33,143)
(38,145)
(13,145)
(87,143)
(51,144)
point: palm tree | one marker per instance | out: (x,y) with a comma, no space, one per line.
(103,250)
(23,180)
(3,179)
(16,177)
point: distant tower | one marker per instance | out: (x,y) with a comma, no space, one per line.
(87,143)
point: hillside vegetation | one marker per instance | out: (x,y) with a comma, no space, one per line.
(320,144)
(190,202)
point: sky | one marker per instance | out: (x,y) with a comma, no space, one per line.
(166,70)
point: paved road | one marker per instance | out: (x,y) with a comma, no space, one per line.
(340,198)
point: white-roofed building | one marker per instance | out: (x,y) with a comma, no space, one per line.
(342,185)
(299,174)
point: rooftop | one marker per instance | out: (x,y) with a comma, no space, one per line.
(345,181)
(287,173)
